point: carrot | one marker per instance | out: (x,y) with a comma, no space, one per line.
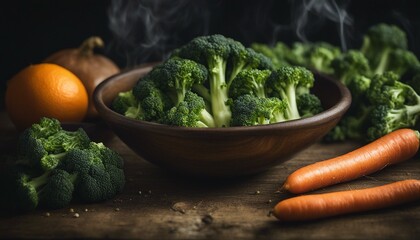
(310,207)
(392,148)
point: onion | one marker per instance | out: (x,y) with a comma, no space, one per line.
(90,67)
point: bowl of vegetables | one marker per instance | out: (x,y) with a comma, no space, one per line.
(218,109)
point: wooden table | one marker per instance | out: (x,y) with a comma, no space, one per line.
(159,205)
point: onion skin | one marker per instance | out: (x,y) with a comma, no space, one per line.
(90,67)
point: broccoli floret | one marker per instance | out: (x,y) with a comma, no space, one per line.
(26,190)
(379,42)
(153,102)
(349,65)
(396,105)
(385,119)
(52,189)
(250,110)
(298,52)
(287,83)
(176,76)
(45,128)
(278,54)
(45,153)
(126,104)
(59,144)
(94,185)
(308,105)
(97,165)
(113,163)
(58,191)
(190,113)
(319,56)
(72,163)
(400,61)
(386,89)
(251,81)
(66,140)
(213,52)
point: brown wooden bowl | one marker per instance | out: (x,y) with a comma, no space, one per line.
(220,152)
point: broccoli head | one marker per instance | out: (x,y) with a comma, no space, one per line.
(386,89)
(349,65)
(153,102)
(127,104)
(385,119)
(278,54)
(250,110)
(190,113)
(379,42)
(287,83)
(319,56)
(58,190)
(176,76)
(397,105)
(308,105)
(250,81)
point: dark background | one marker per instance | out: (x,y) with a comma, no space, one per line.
(34,29)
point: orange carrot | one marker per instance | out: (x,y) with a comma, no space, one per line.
(316,206)
(392,148)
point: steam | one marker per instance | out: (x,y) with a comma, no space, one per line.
(312,14)
(146,30)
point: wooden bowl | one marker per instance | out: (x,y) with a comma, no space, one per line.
(220,152)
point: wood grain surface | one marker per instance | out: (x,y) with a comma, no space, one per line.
(159,205)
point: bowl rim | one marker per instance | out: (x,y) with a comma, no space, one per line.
(318,119)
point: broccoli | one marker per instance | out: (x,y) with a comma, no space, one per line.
(53,189)
(250,110)
(255,60)
(319,56)
(386,89)
(287,83)
(45,128)
(396,105)
(378,44)
(213,52)
(67,165)
(176,76)
(190,113)
(46,153)
(58,190)
(308,105)
(99,171)
(279,54)
(196,85)
(349,65)
(127,104)
(250,81)
(153,102)
(401,61)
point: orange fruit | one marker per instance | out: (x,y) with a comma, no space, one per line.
(45,90)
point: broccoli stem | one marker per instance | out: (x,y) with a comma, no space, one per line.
(219,92)
(413,112)
(50,161)
(383,63)
(290,95)
(239,67)
(40,181)
(202,91)
(207,119)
